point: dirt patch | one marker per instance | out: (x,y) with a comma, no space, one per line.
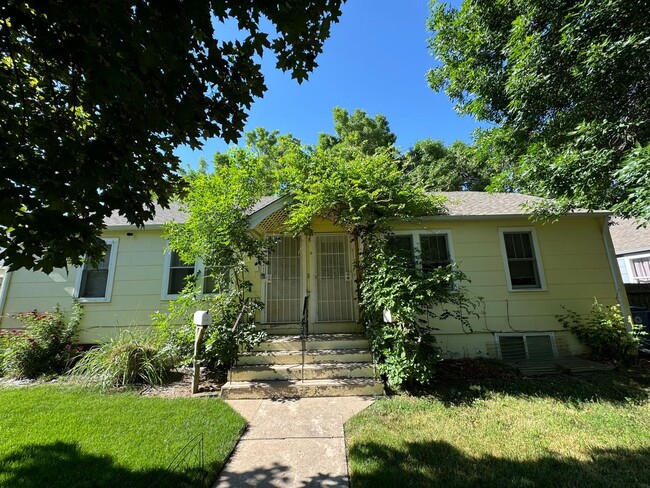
(180,384)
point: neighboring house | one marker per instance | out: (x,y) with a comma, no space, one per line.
(632,246)
(524,271)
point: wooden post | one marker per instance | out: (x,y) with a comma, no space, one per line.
(201,321)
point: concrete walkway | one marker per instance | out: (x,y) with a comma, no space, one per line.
(291,443)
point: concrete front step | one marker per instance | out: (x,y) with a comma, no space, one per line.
(313,342)
(307,388)
(278,372)
(313,356)
(314,328)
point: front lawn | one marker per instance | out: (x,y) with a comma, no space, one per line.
(577,431)
(63,437)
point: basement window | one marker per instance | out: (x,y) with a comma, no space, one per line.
(519,347)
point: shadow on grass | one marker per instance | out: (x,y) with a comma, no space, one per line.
(617,387)
(65,465)
(439,464)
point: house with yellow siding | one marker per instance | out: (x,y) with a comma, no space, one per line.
(524,272)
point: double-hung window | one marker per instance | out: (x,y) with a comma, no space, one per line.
(522,259)
(176,275)
(95,282)
(434,251)
(425,250)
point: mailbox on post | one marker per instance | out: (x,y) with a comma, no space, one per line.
(201,320)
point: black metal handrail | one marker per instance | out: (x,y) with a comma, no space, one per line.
(304,331)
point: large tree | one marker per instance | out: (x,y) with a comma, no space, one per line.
(446,168)
(96,95)
(358,130)
(566,86)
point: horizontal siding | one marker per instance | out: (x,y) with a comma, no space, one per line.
(575,267)
(135,296)
(574,261)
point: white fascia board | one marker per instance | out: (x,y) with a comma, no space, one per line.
(257,217)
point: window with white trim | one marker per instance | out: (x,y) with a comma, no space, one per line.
(425,250)
(94,283)
(640,267)
(176,274)
(522,261)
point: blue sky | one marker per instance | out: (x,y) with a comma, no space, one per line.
(376,59)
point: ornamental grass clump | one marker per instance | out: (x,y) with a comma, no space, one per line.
(128,359)
(46,346)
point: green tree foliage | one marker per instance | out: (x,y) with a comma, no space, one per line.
(566,85)
(354,179)
(359,130)
(446,168)
(217,232)
(97,95)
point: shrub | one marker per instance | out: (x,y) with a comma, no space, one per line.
(44,347)
(604,331)
(405,348)
(128,359)
(223,340)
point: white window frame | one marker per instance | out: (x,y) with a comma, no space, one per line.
(498,335)
(538,258)
(630,267)
(415,235)
(167,260)
(112,264)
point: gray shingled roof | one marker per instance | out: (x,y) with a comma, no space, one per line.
(171,214)
(459,204)
(174,214)
(628,237)
(477,203)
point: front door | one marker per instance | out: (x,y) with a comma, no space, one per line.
(283,282)
(334,280)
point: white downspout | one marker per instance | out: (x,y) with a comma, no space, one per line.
(621,295)
(4,289)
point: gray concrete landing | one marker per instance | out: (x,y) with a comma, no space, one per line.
(291,443)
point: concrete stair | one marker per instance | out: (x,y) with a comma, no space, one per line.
(334,365)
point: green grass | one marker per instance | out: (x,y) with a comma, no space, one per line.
(587,431)
(70,437)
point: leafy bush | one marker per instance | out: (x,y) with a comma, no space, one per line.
(44,347)
(127,359)
(222,341)
(604,331)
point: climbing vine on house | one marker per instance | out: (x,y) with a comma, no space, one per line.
(360,187)
(364,194)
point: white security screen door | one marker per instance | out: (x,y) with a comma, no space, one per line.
(284,282)
(334,282)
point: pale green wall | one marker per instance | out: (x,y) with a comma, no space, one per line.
(573,255)
(575,266)
(136,289)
